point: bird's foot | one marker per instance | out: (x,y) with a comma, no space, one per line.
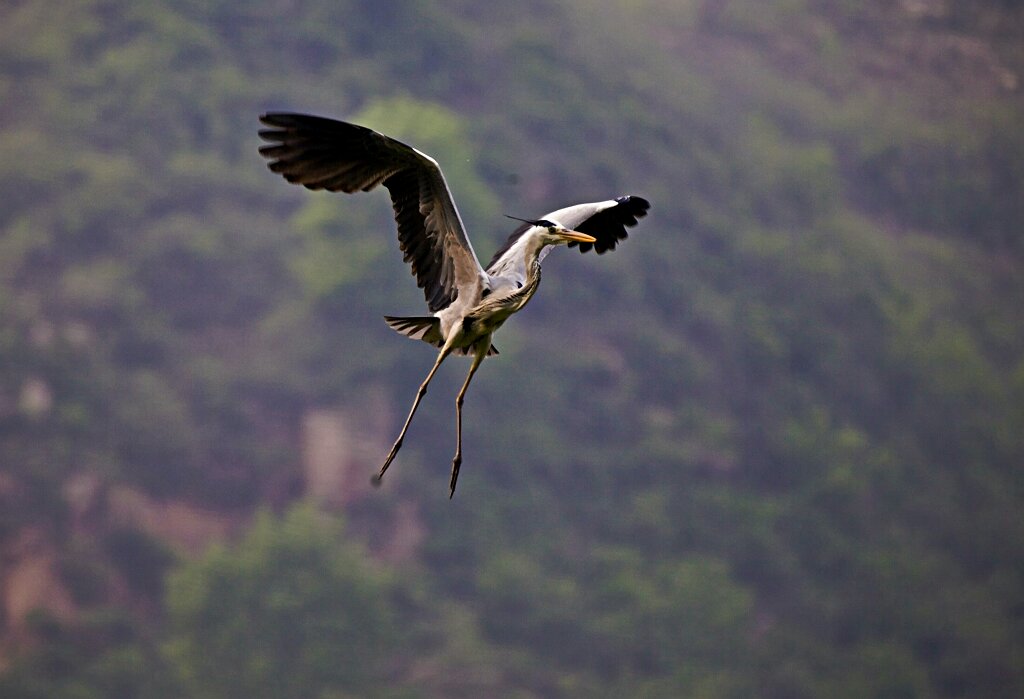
(456,464)
(387,462)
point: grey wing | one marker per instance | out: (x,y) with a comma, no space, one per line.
(606,220)
(321,153)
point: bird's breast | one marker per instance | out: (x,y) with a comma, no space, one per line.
(476,324)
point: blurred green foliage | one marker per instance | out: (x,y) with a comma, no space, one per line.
(770,447)
(286,613)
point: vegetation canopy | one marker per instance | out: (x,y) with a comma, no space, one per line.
(773,450)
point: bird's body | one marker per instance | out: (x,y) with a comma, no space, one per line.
(468,302)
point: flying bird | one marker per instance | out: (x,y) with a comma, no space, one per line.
(467,301)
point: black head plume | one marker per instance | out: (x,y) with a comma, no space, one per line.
(543,223)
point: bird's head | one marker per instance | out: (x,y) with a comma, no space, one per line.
(551,233)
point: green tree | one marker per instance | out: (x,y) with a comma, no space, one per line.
(291,611)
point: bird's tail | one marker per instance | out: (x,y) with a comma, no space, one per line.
(426,328)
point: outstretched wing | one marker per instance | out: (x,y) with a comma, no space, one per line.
(321,153)
(605,220)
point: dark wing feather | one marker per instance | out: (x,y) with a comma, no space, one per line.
(321,153)
(609,225)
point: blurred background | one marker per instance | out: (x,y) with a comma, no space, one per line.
(771,446)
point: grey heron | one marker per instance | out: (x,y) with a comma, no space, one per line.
(468,301)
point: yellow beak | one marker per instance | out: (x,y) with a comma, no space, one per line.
(577,237)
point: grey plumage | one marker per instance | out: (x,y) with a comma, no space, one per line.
(469,303)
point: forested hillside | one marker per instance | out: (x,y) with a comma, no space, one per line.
(771,446)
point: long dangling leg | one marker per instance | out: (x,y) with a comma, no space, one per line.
(482,346)
(415,404)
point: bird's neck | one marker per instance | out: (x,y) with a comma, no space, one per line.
(536,251)
(510,303)
(523,295)
(522,261)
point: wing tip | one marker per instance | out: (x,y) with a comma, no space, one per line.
(278,119)
(637,206)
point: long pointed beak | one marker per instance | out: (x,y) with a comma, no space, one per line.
(577,237)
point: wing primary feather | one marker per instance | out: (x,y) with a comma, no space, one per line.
(321,153)
(608,224)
